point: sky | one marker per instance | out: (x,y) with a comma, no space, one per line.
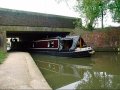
(50,7)
(42,6)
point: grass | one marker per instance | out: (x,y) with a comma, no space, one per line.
(3,55)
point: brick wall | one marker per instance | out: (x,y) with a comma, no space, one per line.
(102,40)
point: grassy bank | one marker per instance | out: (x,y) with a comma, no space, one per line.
(3,55)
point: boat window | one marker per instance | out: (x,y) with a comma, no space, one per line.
(67,44)
(81,43)
(51,44)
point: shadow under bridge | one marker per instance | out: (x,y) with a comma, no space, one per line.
(20,40)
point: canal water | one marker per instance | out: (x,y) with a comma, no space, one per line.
(101,71)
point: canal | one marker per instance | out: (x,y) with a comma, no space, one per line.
(101,71)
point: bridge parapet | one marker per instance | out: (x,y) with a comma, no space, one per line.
(10,17)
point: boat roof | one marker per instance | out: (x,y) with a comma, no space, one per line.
(70,37)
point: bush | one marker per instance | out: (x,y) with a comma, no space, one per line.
(2,56)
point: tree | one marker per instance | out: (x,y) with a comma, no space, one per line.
(114,7)
(91,10)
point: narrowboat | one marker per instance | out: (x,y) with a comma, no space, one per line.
(69,46)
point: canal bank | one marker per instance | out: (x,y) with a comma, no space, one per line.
(19,71)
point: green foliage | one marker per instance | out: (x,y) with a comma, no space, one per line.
(114,7)
(91,10)
(78,23)
(2,56)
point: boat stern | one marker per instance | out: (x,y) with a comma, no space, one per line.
(88,49)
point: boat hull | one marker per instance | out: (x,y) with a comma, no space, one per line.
(66,53)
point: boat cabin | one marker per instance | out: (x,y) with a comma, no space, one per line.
(46,44)
(58,43)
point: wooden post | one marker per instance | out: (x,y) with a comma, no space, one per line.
(3,41)
(80,43)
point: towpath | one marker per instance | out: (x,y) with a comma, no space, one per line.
(19,71)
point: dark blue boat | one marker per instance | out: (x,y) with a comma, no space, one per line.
(69,46)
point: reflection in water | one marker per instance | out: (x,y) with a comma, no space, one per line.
(64,69)
(100,71)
